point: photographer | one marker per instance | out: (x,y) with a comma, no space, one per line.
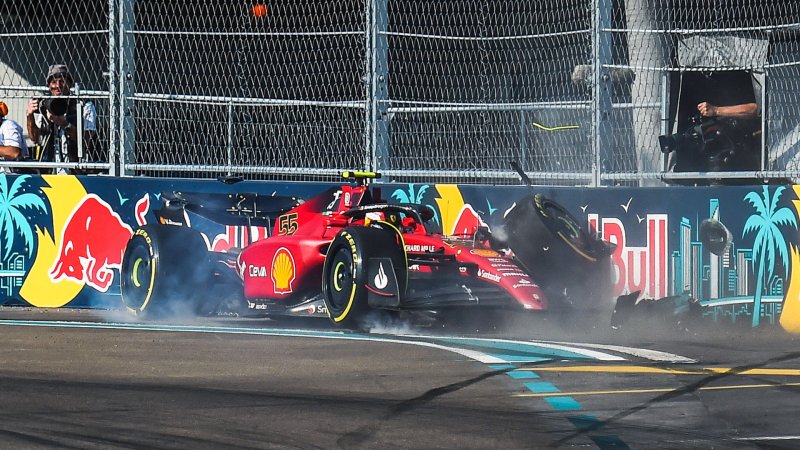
(719,122)
(12,144)
(53,121)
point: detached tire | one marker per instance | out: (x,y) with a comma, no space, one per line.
(556,251)
(163,267)
(344,274)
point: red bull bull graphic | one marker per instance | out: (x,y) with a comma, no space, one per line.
(91,244)
(467,221)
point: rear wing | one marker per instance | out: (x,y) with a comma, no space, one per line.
(243,209)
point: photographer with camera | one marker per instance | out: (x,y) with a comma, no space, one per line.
(53,121)
(12,144)
(720,124)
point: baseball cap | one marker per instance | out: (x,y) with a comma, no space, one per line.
(3,109)
(59,70)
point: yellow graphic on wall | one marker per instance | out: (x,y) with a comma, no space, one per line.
(790,314)
(458,218)
(38,289)
(450,204)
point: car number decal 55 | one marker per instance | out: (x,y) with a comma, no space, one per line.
(287,224)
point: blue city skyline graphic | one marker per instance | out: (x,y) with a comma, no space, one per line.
(12,274)
(723,284)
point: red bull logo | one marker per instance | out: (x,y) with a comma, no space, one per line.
(638,268)
(467,222)
(141,209)
(238,237)
(91,244)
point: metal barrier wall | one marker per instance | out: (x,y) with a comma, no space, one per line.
(577,91)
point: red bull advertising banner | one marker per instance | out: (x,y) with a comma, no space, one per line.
(62,237)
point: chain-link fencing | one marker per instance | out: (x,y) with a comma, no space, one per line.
(579,92)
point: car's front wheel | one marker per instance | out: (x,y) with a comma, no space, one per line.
(344,282)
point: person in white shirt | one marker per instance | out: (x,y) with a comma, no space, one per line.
(12,142)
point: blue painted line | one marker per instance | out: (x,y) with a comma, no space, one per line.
(522,374)
(194,328)
(609,442)
(541,387)
(585,422)
(519,358)
(563,403)
(521,347)
(502,366)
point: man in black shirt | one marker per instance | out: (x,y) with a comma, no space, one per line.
(720,122)
(726,94)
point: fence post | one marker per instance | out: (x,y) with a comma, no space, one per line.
(79,121)
(127,75)
(666,86)
(764,120)
(378,101)
(112,78)
(229,146)
(523,139)
(601,86)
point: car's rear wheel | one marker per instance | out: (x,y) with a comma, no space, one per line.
(163,270)
(344,275)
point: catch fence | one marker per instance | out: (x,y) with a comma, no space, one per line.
(577,91)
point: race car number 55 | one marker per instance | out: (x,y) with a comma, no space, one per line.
(287,224)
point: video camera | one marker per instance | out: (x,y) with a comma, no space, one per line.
(713,144)
(57,106)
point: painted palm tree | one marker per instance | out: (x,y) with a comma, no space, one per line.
(768,240)
(413,196)
(13,221)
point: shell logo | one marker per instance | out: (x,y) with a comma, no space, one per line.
(283,271)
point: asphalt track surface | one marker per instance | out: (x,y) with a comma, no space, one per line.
(89,379)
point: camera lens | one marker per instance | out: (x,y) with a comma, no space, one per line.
(56,105)
(668,143)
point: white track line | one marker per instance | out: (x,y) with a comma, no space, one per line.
(653,355)
(471,354)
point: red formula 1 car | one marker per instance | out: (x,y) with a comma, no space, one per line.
(345,252)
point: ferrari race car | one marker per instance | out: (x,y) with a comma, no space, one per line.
(346,252)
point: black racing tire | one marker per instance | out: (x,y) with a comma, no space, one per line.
(344,274)
(557,252)
(164,269)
